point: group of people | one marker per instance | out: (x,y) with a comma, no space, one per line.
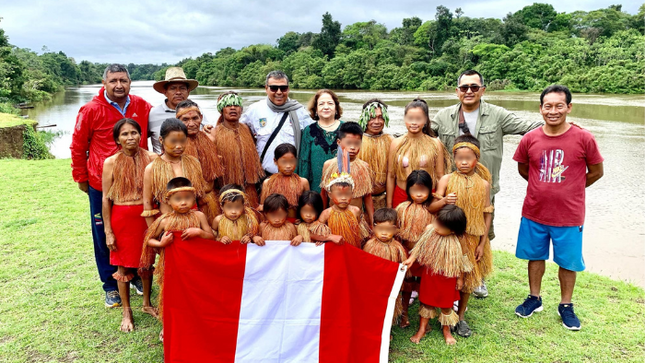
(280,171)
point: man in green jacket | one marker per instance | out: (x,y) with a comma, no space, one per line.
(487,122)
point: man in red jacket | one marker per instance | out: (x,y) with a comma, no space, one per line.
(92,143)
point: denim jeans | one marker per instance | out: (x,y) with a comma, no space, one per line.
(101,252)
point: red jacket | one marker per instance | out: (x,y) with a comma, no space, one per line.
(92,141)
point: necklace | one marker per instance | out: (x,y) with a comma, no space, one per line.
(330,127)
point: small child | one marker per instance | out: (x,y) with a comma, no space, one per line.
(285,182)
(414,217)
(276,226)
(350,136)
(342,217)
(439,253)
(181,198)
(238,221)
(310,206)
(385,246)
(467,189)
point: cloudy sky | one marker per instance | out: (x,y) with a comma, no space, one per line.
(147,31)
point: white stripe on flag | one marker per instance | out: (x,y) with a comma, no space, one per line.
(281,303)
(389,314)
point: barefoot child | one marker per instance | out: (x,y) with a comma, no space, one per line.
(310,206)
(349,141)
(385,246)
(180,196)
(439,253)
(342,217)
(237,221)
(469,191)
(285,182)
(376,146)
(276,227)
(414,217)
(122,208)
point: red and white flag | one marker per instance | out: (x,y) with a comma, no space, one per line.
(277,303)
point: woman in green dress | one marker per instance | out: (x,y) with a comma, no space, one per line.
(318,143)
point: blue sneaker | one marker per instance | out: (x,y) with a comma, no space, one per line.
(569,318)
(137,285)
(529,306)
(112,299)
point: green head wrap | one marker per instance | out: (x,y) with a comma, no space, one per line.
(229,99)
(369,112)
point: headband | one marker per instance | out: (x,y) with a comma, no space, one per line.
(369,112)
(180,189)
(469,145)
(184,111)
(234,193)
(339,178)
(229,99)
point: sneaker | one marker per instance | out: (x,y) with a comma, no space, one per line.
(569,318)
(462,329)
(455,306)
(112,299)
(529,306)
(481,292)
(137,285)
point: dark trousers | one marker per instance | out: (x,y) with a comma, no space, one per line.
(101,252)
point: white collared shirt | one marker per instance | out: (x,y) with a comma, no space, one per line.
(157,116)
(262,121)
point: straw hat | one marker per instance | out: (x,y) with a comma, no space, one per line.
(175,74)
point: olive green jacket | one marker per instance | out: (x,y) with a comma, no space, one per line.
(493,123)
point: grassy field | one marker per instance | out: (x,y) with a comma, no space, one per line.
(51,307)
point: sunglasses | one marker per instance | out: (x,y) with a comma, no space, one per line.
(276,88)
(475,88)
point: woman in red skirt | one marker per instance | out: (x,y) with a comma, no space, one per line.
(125,228)
(439,253)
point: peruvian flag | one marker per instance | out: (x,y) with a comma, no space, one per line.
(277,303)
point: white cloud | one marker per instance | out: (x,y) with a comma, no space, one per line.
(167,31)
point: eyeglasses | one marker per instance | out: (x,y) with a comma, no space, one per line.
(475,88)
(275,89)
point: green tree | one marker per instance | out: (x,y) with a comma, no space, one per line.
(329,36)
(288,43)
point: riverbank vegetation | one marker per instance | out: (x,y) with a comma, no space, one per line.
(596,51)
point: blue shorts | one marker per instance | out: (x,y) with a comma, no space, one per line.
(533,244)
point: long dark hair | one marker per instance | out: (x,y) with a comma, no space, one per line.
(119,124)
(170,125)
(423,105)
(419,177)
(312,199)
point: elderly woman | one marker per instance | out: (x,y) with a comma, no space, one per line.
(318,142)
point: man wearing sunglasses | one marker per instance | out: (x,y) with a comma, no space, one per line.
(275,120)
(487,122)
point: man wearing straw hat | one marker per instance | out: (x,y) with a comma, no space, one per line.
(176,87)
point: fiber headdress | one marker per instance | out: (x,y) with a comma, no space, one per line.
(469,145)
(229,99)
(180,189)
(343,175)
(369,112)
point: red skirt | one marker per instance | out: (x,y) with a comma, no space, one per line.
(437,290)
(399,196)
(129,230)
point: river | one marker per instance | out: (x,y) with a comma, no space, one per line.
(614,240)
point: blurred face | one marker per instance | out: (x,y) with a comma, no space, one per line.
(415,119)
(554,108)
(176,92)
(341,195)
(277,218)
(308,214)
(470,97)
(192,120)
(277,91)
(117,85)
(351,143)
(419,193)
(182,202)
(232,113)
(375,126)
(129,137)
(286,164)
(233,210)
(440,228)
(326,107)
(174,144)
(385,231)
(465,160)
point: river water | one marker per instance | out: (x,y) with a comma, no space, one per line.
(614,241)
